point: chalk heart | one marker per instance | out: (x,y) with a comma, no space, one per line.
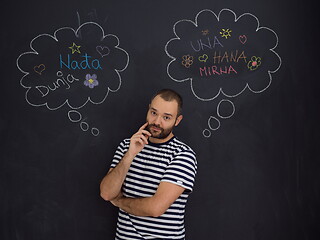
(39,69)
(243,39)
(103,50)
(203,58)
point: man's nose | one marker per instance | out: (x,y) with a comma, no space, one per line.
(157,120)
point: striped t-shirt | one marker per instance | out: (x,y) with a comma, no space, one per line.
(172,161)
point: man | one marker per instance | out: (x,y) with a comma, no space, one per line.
(152,175)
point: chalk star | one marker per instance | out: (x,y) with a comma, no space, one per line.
(75,48)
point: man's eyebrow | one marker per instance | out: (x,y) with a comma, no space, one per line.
(167,114)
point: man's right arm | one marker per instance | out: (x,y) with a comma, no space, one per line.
(111,184)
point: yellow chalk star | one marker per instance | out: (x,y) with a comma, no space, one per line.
(75,48)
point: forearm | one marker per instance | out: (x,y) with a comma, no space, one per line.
(144,207)
(153,206)
(111,184)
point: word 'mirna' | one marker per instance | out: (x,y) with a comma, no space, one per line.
(215,70)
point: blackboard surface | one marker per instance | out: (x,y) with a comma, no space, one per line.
(77,77)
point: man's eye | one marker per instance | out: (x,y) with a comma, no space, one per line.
(166,118)
(153,112)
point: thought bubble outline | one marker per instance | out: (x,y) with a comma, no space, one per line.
(232,105)
(195,23)
(77,34)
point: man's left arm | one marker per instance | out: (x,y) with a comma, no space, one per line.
(153,206)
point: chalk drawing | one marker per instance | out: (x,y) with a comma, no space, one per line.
(72,68)
(220,42)
(230,54)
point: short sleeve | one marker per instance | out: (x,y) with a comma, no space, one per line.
(182,170)
(121,150)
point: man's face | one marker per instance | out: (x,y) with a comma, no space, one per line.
(162,118)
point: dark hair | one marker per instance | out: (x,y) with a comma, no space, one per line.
(170,95)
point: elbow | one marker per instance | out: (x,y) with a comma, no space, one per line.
(156,214)
(105,196)
(108,196)
(156,207)
(157,211)
(105,192)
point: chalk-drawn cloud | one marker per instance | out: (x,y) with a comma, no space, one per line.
(72,66)
(222,54)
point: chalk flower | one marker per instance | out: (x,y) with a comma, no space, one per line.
(254,63)
(187,61)
(91,81)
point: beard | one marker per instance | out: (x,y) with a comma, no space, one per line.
(161,133)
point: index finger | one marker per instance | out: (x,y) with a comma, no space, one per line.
(143,126)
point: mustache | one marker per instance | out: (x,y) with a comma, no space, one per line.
(154,125)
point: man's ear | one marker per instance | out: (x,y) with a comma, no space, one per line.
(178,120)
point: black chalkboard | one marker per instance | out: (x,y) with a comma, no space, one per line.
(77,77)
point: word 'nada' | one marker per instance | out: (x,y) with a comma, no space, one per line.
(86,63)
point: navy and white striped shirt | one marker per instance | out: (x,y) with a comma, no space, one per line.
(172,161)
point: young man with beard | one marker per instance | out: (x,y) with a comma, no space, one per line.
(152,175)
